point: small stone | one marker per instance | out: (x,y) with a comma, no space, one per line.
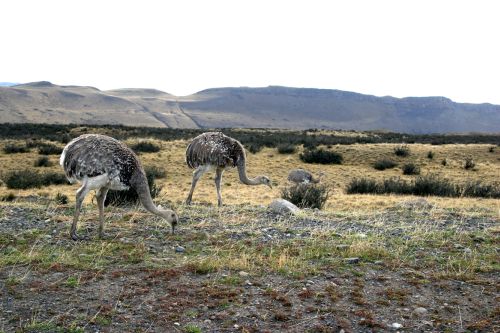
(396,325)
(207,321)
(354,260)
(236,326)
(248,283)
(205,308)
(420,311)
(342,246)
(243,274)
(179,249)
(177,324)
(361,235)
(342,331)
(379,262)
(282,206)
(467,250)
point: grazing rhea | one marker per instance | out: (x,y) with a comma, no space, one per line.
(102,163)
(301,176)
(216,150)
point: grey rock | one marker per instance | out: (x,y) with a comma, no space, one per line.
(282,206)
(354,260)
(179,249)
(420,311)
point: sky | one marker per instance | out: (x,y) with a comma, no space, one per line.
(397,48)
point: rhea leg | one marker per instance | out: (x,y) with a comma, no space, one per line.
(196,176)
(101,197)
(218,178)
(81,193)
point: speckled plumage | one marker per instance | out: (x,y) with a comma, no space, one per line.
(301,176)
(102,163)
(92,155)
(215,149)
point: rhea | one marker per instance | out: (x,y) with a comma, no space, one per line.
(103,163)
(301,176)
(216,150)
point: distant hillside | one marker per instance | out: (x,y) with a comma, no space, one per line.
(7,84)
(269,107)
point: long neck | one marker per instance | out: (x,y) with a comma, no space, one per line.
(243,173)
(140,183)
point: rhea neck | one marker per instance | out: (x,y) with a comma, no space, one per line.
(140,183)
(241,165)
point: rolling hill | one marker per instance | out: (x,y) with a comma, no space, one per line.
(268,107)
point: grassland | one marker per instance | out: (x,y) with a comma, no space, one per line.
(361,264)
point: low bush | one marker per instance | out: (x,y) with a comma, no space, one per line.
(155,172)
(411,169)
(14,149)
(430,155)
(321,156)
(8,197)
(444,162)
(254,148)
(24,179)
(130,197)
(384,164)
(43,161)
(306,195)
(145,147)
(61,199)
(287,149)
(49,149)
(469,163)
(423,186)
(402,150)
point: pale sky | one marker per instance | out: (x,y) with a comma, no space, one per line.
(398,48)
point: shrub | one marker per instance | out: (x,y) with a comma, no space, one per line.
(155,172)
(321,156)
(384,164)
(13,149)
(444,162)
(402,150)
(287,148)
(61,199)
(8,197)
(43,161)
(130,197)
(145,147)
(362,186)
(254,148)
(24,179)
(411,169)
(49,149)
(423,186)
(306,195)
(469,163)
(491,149)
(430,155)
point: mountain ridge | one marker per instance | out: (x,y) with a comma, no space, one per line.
(263,107)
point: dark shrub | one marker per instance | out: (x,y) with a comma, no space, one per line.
(155,172)
(49,149)
(13,149)
(61,199)
(145,147)
(287,149)
(433,185)
(469,163)
(8,197)
(306,195)
(24,179)
(362,186)
(491,149)
(430,155)
(254,148)
(43,161)
(384,164)
(444,162)
(411,169)
(321,156)
(130,197)
(423,186)
(66,138)
(402,151)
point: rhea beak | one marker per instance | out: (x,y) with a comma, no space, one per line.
(270,185)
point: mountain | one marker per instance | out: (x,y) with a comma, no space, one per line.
(7,84)
(268,107)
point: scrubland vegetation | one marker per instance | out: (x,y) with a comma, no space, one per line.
(374,248)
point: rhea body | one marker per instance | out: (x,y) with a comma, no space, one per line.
(301,176)
(214,150)
(103,163)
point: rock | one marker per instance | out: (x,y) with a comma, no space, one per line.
(207,321)
(395,325)
(342,246)
(420,311)
(354,260)
(179,249)
(282,206)
(467,250)
(361,235)
(177,324)
(243,274)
